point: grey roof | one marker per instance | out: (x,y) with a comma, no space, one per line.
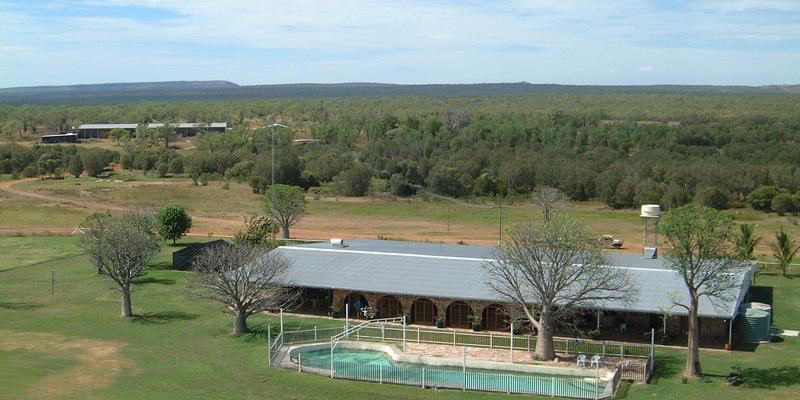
(456,272)
(108,126)
(60,135)
(190,125)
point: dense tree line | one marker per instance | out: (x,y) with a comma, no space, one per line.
(622,149)
(53,161)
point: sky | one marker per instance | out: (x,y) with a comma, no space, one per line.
(603,42)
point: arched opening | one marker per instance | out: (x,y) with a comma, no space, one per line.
(389,307)
(458,315)
(355,302)
(423,311)
(494,318)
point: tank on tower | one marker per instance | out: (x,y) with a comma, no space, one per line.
(650,216)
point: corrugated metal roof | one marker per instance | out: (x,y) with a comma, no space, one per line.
(190,125)
(108,126)
(456,272)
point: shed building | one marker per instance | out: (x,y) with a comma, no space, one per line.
(100,131)
(193,128)
(60,138)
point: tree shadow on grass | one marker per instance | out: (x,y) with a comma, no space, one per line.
(162,317)
(160,266)
(21,306)
(667,366)
(149,279)
(258,333)
(748,347)
(771,378)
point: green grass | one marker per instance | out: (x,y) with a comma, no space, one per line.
(178,347)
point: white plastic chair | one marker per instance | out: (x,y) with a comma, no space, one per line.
(596,360)
(581,360)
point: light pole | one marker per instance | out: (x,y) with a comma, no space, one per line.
(272,168)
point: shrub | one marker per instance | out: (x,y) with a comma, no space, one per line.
(783,203)
(398,186)
(353,182)
(30,171)
(761,198)
(176,165)
(713,197)
(173,222)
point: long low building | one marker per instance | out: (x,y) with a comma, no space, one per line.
(431,282)
(193,128)
(98,131)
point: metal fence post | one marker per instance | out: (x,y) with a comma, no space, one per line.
(299,363)
(464,366)
(454,338)
(380,373)
(552,386)
(604,348)
(269,346)
(622,350)
(315,333)
(418,338)
(423,377)
(383,332)
(567,346)
(491,340)
(404,333)
(511,345)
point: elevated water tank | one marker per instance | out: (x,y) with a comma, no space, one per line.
(756,320)
(651,211)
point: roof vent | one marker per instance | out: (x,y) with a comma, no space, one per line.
(337,242)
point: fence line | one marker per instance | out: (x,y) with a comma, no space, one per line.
(450,378)
(385,333)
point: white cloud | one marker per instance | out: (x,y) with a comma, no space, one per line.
(565,41)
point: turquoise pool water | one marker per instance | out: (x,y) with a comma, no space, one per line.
(377,366)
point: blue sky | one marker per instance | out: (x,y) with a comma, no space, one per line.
(721,42)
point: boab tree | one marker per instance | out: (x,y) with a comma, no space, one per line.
(120,247)
(702,252)
(548,270)
(244,279)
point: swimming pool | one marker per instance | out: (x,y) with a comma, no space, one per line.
(379,366)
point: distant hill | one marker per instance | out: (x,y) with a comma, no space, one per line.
(224,90)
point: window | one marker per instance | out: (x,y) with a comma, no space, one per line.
(424,312)
(389,307)
(459,315)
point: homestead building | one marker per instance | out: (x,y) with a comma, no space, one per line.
(100,131)
(193,128)
(445,285)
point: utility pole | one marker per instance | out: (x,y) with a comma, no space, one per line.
(500,215)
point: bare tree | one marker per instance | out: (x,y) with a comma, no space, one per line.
(702,253)
(548,270)
(120,247)
(549,200)
(244,279)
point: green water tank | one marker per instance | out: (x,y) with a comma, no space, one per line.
(755,322)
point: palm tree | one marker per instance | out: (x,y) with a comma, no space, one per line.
(783,249)
(746,241)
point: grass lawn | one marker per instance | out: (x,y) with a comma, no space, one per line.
(73,345)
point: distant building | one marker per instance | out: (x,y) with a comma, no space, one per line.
(98,131)
(305,141)
(192,128)
(60,138)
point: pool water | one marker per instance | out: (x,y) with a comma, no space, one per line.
(378,366)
